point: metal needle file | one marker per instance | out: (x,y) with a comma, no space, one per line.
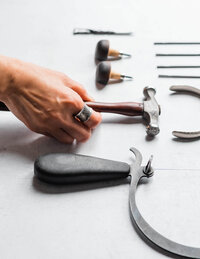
(177,55)
(177,76)
(178,67)
(176,43)
(77,31)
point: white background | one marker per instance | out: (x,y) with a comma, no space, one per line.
(93,221)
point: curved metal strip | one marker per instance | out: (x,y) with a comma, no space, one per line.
(138,156)
(151,234)
(185,88)
(188,89)
(186,135)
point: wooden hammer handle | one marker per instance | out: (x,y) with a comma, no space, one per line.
(125,108)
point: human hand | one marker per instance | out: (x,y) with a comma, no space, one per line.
(46,100)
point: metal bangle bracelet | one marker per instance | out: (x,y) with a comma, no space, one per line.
(85,114)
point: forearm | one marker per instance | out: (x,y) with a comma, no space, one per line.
(5,76)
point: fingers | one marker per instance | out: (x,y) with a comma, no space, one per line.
(62,136)
(78,130)
(81,131)
(94,120)
(82,92)
(79,89)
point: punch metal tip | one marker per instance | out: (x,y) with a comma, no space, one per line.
(125,54)
(129,77)
(148,170)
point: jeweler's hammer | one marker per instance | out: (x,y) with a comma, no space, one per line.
(149,109)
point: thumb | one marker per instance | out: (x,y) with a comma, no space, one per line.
(82,92)
(79,89)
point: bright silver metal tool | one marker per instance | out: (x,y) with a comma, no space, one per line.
(187,89)
(177,43)
(77,31)
(151,111)
(161,67)
(138,172)
(178,76)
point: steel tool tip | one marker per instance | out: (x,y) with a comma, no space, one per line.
(148,170)
(129,77)
(125,54)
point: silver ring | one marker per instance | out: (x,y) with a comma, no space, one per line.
(84,114)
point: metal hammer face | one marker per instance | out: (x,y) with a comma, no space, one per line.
(151,111)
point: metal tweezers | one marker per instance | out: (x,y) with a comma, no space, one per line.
(77,31)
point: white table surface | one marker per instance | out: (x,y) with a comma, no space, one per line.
(93,221)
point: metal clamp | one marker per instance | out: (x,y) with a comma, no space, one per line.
(137,173)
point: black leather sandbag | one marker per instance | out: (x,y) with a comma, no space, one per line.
(62,168)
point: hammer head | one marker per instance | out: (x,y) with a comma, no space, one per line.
(151,111)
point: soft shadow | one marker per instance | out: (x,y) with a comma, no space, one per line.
(99,86)
(145,180)
(40,146)
(110,82)
(185,140)
(3,107)
(149,138)
(11,135)
(172,93)
(96,61)
(56,189)
(124,120)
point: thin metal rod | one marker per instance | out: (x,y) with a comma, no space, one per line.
(84,31)
(177,55)
(124,54)
(122,33)
(177,76)
(129,77)
(178,66)
(176,43)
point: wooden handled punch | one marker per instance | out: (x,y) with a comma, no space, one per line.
(105,75)
(103,51)
(149,109)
